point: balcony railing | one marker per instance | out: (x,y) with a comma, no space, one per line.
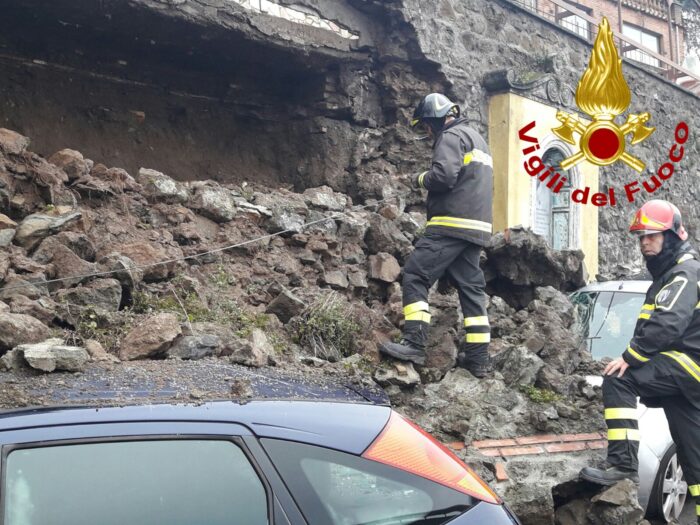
(582,24)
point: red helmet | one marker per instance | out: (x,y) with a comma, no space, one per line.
(658,216)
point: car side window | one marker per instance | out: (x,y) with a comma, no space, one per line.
(174,482)
(336,488)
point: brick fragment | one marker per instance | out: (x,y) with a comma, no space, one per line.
(579,437)
(539,438)
(488,443)
(566,447)
(522,451)
(601,443)
(501,474)
(456,445)
(491,452)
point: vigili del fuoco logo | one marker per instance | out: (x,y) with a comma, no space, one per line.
(603,94)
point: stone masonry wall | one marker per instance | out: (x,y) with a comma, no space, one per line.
(469,38)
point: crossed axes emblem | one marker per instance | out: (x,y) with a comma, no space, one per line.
(603,142)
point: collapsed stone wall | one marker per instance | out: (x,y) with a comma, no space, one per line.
(118,277)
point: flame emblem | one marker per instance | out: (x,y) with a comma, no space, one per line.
(603,94)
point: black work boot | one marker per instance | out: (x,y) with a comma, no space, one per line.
(475,360)
(405,351)
(608,476)
(412,344)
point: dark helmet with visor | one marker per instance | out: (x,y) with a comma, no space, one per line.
(433,110)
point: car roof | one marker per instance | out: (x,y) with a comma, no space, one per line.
(175,381)
(632,286)
(269,401)
(344,426)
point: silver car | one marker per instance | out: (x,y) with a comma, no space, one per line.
(609,312)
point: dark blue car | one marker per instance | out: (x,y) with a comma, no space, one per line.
(252,463)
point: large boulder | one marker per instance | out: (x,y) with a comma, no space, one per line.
(384,267)
(43,309)
(325,198)
(214,202)
(457,406)
(397,373)
(336,279)
(151,338)
(12,142)
(147,255)
(101,294)
(31,286)
(582,503)
(384,235)
(518,261)
(117,179)
(358,279)
(323,222)
(37,226)
(16,329)
(195,347)
(5,264)
(79,243)
(73,163)
(225,334)
(68,266)
(289,211)
(254,351)
(519,366)
(53,355)
(441,351)
(534,478)
(159,187)
(285,306)
(553,337)
(353,227)
(125,270)
(6,237)
(6,222)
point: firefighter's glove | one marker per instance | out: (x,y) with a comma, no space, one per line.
(418,179)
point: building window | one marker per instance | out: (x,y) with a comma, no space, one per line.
(552,210)
(645,38)
(572,22)
(576,24)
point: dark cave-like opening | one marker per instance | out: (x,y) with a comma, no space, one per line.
(133,87)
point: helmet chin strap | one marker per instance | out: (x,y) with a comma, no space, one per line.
(436,124)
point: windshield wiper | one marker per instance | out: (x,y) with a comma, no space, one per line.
(421,518)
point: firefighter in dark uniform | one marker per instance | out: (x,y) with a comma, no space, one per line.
(661,365)
(459,184)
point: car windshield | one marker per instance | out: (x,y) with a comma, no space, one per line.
(608,320)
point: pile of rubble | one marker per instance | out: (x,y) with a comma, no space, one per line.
(98,268)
